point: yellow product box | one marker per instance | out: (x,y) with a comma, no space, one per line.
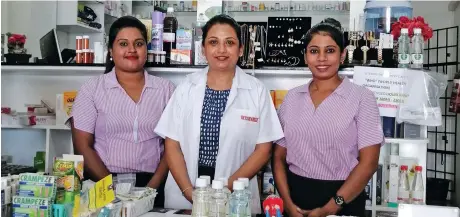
(69,174)
(278,97)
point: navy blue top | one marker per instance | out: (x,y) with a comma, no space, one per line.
(213,108)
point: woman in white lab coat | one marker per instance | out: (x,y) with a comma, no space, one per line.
(219,122)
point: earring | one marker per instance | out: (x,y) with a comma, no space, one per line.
(111,59)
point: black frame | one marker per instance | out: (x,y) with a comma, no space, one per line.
(442,66)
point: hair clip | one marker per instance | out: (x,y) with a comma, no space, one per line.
(350,50)
(379,55)
(365,49)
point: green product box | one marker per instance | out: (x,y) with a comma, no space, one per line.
(31,207)
(35,185)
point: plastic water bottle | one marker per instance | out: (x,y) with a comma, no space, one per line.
(403,49)
(226,191)
(200,196)
(417,187)
(239,200)
(417,49)
(219,200)
(403,188)
(208,182)
(248,193)
(225,182)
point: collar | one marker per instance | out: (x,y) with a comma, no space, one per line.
(112,82)
(343,89)
(239,80)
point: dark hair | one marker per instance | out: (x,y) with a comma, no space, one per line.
(117,26)
(331,27)
(221,19)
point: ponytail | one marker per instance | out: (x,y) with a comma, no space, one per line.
(109,64)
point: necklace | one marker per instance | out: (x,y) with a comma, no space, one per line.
(244,33)
(263,40)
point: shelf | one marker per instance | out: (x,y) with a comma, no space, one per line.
(43,127)
(65,70)
(92,2)
(78,28)
(305,12)
(386,208)
(411,141)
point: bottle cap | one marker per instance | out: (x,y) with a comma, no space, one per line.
(245,181)
(78,37)
(150,51)
(418,168)
(417,31)
(238,185)
(207,178)
(86,36)
(404,31)
(200,183)
(224,180)
(217,184)
(403,167)
(170,10)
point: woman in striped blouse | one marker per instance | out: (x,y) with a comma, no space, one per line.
(114,114)
(332,134)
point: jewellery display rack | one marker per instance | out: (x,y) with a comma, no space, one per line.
(365,49)
(254,48)
(285,44)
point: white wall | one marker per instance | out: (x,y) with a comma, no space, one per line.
(32,18)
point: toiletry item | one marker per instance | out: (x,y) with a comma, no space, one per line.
(79,43)
(79,56)
(98,52)
(169,34)
(150,56)
(85,42)
(157,31)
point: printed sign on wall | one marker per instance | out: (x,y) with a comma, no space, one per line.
(390,86)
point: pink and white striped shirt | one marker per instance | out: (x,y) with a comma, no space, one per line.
(123,130)
(323,143)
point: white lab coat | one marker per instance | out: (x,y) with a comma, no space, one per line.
(250,118)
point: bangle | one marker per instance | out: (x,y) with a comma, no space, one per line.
(183,191)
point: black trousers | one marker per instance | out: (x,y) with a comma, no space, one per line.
(310,194)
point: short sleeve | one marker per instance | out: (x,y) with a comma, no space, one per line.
(270,128)
(281,117)
(84,112)
(370,131)
(168,125)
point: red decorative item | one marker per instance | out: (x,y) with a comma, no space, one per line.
(410,24)
(32,120)
(270,204)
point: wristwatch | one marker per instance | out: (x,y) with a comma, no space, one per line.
(339,200)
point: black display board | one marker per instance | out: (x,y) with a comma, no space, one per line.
(285,44)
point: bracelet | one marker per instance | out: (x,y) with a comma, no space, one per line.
(183,191)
